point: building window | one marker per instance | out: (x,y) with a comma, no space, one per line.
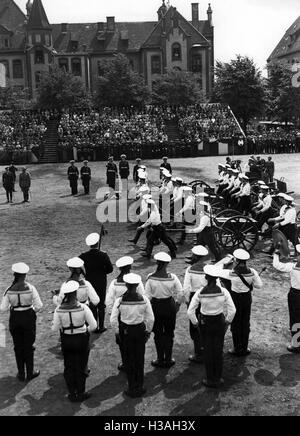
(30,39)
(6,43)
(39,57)
(38,39)
(76,67)
(156,65)
(63,64)
(6,66)
(37,79)
(17,69)
(47,40)
(197,63)
(176,52)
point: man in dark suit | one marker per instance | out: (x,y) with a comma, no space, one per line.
(166,165)
(97,266)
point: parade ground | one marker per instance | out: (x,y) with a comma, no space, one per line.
(52,228)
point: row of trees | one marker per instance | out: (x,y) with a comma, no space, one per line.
(239,84)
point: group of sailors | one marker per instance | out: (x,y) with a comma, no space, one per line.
(217,295)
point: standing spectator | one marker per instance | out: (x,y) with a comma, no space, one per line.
(13,170)
(270,170)
(73,176)
(25,183)
(8,184)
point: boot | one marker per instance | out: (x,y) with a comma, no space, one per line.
(29,362)
(169,362)
(21,367)
(159,363)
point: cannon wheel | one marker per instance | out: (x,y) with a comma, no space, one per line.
(227,213)
(199,183)
(238,232)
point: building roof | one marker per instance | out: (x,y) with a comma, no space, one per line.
(38,19)
(289,44)
(12,19)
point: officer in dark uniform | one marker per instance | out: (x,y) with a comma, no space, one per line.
(75,321)
(73,176)
(23,301)
(124,168)
(111,173)
(13,170)
(165,165)
(98,266)
(8,184)
(86,176)
(132,319)
(136,170)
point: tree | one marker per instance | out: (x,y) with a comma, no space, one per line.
(240,85)
(118,85)
(283,99)
(60,90)
(14,98)
(177,88)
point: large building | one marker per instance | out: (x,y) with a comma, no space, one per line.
(29,45)
(288,49)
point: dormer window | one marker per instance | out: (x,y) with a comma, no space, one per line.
(38,39)
(39,57)
(6,43)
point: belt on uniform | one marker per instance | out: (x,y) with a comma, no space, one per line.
(21,308)
(163,300)
(123,324)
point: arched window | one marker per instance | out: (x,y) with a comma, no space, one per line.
(197,63)
(17,69)
(176,52)
(156,65)
(76,67)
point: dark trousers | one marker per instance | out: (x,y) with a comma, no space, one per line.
(9,193)
(294,310)
(164,327)
(240,327)
(196,334)
(75,351)
(25,194)
(290,232)
(207,238)
(138,235)
(74,187)
(159,232)
(134,345)
(213,330)
(99,311)
(244,205)
(263,218)
(22,326)
(86,186)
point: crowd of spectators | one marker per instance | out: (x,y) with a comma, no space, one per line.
(274,141)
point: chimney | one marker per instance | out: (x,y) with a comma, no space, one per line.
(111,25)
(195,14)
(64,28)
(100,27)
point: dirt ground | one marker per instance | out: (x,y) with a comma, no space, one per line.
(52,228)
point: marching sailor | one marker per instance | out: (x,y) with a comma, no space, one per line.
(165,292)
(132,320)
(187,213)
(204,231)
(193,281)
(143,216)
(23,301)
(243,281)
(117,289)
(75,321)
(217,312)
(158,231)
(97,266)
(293,297)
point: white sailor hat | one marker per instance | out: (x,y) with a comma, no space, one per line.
(221,165)
(123,156)
(241,254)
(235,171)
(212,271)
(165,158)
(281,195)
(124,261)
(168,175)
(202,195)
(179,180)
(163,257)
(245,177)
(76,262)
(289,198)
(298,248)
(204,203)
(264,187)
(92,239)
(260,182)
(132,279)
(143,167)
(20,268)
(187,189)
(150,201)
(69,287)
(147,197)
(199,250)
